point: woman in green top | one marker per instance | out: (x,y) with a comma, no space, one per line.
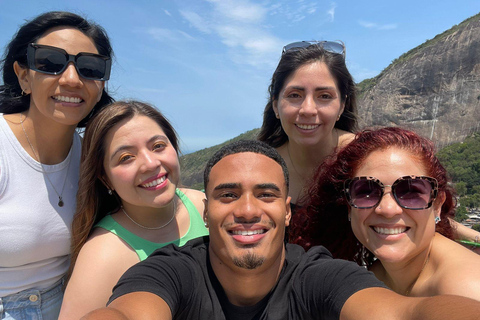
(128,203)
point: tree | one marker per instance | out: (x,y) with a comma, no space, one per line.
(461,188)
(476,227)
(475,189)
(461,213)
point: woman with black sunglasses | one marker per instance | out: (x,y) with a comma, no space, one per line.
(311,108)
(384,201)
(54,73)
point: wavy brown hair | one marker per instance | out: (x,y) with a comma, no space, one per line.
(324,218)
(93,200)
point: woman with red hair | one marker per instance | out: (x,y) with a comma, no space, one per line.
(384,202)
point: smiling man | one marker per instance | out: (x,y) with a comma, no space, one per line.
(245,271)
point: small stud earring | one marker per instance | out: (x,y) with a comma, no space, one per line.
(110,192)
(206,224)
(437,220)
(349,218)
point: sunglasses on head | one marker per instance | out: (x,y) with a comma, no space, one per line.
(53,60)
(330,46)
(410,192)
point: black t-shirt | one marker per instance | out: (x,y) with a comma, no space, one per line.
(311,285)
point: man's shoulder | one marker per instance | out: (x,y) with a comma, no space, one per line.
(296,253)
(197,246)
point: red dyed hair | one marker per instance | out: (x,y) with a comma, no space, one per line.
(323,218)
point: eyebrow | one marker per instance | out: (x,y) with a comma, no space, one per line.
(239,185)
(316,89)
(127,147)
(267,186)
(223,186)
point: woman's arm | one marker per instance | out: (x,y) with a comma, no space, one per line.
(380,303)
(100,264)
(465,233)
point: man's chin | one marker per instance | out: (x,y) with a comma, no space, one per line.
(249,261)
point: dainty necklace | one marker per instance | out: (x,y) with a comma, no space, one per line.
(154,228)
(60,199)
(410,287)
(291,161)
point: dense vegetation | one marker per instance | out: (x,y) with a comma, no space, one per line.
(462,161)
(193,164)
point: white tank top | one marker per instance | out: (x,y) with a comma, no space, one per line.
(34,230)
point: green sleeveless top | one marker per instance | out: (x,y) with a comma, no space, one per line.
(143,247)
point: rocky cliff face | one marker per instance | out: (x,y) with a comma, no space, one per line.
(433,89)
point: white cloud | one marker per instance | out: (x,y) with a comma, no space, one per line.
(196,21)
(331,12)
(240,26)
(168,35)
(167,13)
(240,11)
(373,25)
(294,12)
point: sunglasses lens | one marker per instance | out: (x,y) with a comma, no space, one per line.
(333,47)
(296,45)
(49,61)
(413,193)
(91,67)
(365,193)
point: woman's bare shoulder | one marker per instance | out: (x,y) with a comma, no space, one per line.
(344,138)
(196,197)
(458,269)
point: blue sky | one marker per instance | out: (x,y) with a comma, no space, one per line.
(206,64)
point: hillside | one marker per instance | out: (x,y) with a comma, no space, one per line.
(433,89)
(193,164)
(462,161)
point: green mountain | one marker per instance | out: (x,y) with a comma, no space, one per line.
(193,164)
(462,161)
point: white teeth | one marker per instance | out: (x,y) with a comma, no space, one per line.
(154,182)
(307,126)
(247,232)
(389,230)
(68,99)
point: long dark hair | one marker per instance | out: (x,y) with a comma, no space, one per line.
(11,99)
(271,131)
(324,219)
(93,200)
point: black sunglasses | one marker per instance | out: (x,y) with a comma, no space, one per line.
(53,60)
(410,192)
(330,46)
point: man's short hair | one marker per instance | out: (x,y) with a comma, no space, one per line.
(241,146)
